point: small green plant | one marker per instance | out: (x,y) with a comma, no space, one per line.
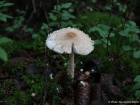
(17,21)
(115,37)
(40,63)
(19,97)
(136,87)
(109,39)
(3,54)
(4,16)
(116,4)
(61,17)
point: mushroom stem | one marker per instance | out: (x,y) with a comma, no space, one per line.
(71,64)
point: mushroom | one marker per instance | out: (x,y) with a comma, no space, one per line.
(70,40)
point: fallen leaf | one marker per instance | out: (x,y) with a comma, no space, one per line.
(22,84)
(116,90)
(106,82)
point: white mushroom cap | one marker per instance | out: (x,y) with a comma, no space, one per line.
(62,41)
(33,94)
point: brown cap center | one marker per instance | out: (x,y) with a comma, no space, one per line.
(71,34)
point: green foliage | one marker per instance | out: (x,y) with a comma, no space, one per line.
(38,45)
(14,68)
(121,41)
(40,63)
(117,4)
(36,85)
(126,47)
(61,15)
(3,54)
(129,33)
(2,93)
(52,91)
(4,16)
(19,98)
(68,81)
(136,54)
(93,18)
(103,31)
(4,40)
(126,90)
(136,87)
(18,24)
(21,46)
(66,5)
(17,21)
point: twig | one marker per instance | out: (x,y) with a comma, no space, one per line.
(122,27)
(26,54)
(25,10)
(31,16)
(107,41)
(128,50)
(119,46)
(105,59)
(46,16)
(111,29)
(110,13)
(118,14)
(46,69)
(109,35)
(46,60)
(121,69)
(33,2)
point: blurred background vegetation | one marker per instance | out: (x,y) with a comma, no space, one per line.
(112,24)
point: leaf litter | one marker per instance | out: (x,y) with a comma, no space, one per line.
(90,86)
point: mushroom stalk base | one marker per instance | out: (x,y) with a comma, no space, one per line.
(71,64)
